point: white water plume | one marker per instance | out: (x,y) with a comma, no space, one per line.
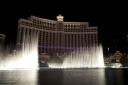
(83,58)
(25,58)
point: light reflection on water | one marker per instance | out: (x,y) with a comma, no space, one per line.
(84,77)
(116,76)
(88,76)
(18,77)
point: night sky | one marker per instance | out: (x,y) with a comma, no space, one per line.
(110,17)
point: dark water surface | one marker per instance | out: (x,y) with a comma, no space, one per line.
(108,76)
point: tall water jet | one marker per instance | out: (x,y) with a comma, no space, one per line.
(29,51)
(83,58)
(25,58)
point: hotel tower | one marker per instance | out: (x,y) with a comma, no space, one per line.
(57,36)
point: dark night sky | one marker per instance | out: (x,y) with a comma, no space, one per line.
(110,17)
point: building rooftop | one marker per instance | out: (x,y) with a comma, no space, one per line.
(60,17)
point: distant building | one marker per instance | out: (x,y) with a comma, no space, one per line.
(118,55)
(57,36)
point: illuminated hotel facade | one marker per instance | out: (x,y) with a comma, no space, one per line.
(57,36)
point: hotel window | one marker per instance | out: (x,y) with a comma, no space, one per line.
(22,22)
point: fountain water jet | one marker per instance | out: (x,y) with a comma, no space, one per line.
(83,58)
(25,58)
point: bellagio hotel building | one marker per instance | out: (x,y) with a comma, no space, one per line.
(57,36)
